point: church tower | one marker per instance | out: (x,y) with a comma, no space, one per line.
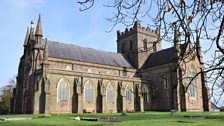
(138,43)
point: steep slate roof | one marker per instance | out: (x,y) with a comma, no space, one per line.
(74,52)
(163,57)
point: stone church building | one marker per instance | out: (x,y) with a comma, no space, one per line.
(55,77)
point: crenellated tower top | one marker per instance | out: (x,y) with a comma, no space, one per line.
(137,28)
(138,43)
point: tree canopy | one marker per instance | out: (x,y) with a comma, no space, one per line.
(6,93)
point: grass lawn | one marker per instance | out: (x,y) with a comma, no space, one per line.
(132,119)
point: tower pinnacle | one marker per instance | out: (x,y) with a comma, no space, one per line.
(39,27)
(26,38)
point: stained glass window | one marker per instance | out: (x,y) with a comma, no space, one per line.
(193,85)
(89,94)
(63,90)
(128,94)
(110,93)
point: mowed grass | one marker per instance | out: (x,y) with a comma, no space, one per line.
(132,119)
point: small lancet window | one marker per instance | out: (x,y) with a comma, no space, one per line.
(145,44)
(122,48)
(154,46)
(68,68)
(125,72)
(89,70)
(165,81)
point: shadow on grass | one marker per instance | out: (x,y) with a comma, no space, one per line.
(100,125)
(181,121)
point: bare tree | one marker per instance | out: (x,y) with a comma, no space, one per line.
(198,21)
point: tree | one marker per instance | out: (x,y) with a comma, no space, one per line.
(198,21)
(5,97)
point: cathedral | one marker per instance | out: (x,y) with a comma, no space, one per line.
(55,77)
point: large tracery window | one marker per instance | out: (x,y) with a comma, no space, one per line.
(89,92)
(193,85)
(128,93)
(110,93)
(63,90)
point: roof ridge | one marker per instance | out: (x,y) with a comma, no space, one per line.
(71,44)
(168,48)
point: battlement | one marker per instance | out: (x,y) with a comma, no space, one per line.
(137,28)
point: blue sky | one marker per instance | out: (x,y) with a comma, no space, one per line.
(61,20)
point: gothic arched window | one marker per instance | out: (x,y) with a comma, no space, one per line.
(193,85)
(122,48)
(145,94)
(128,93)
(166,81)
(145,44)
(154,46)
(89,92)
(63,90)
(110,93)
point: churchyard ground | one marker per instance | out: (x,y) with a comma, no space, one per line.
(131,119)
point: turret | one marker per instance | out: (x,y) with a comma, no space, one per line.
(32,30)
(198,49)
(176,42)
(26,38)
(38,33)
